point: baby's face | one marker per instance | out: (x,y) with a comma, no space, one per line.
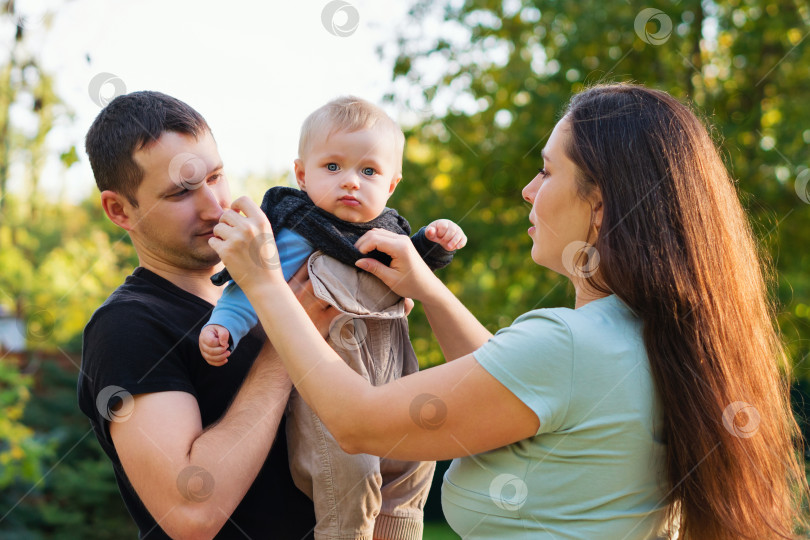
(350,174)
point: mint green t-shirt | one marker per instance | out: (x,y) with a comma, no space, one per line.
(595,468)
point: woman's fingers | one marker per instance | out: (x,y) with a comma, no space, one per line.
(245,242)
(223,230)
(217,244)
(247,206)
(378,269)
(253,215)
(230,217)
(382,240)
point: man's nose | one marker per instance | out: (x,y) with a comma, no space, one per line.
(209,204)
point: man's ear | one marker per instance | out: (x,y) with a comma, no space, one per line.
(394,181)
(118,209)
(299,174)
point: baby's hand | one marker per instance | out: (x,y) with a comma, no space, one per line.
(214,344)
(447,234)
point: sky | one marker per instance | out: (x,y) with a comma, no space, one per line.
(254,70)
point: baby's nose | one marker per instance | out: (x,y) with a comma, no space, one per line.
(351,179)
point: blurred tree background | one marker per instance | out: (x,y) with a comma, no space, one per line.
(483,83)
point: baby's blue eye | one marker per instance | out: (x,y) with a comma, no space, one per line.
(332,167)
(368,171)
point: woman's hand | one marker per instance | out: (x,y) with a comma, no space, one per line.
(246,244)
(407,275)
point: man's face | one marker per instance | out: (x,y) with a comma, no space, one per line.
(350,174)
(180,200)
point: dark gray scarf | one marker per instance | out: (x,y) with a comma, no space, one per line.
(289,208)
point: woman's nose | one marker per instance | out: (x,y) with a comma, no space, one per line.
(530,190)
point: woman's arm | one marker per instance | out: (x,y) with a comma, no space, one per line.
(458,331)
(452,410)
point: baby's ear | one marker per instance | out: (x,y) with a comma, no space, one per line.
(394,181)
(299,174)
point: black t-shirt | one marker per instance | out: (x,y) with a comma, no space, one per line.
(144,338)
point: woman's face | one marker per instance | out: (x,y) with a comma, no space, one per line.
(561,219)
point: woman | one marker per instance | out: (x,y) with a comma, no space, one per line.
(657,400)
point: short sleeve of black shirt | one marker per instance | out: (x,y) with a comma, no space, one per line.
(144,339)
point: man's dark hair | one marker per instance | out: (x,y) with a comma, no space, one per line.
(130,123)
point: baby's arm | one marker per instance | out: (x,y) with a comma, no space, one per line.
(233,316)
(447,234)
(437,242)
(231,320)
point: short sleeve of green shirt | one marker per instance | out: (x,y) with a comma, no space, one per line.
(534,359)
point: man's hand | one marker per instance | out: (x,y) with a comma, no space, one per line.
(447,234)
(320,312)
(214,344)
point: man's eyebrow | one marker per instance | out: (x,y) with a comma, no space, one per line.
(170,191)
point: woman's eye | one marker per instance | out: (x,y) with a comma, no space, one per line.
(368,171)
(332,167)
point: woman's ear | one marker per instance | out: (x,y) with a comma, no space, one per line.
(118,209)
(597,209)
(299,174)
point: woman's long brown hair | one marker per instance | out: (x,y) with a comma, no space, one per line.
(675,245)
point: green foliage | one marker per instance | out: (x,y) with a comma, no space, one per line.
(496,76)
(58,263)
(21,450)
(76,497)
(58,269)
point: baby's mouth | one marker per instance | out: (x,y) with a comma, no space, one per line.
(348,200)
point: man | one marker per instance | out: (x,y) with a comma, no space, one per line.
(197,450)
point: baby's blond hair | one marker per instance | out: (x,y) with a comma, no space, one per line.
(348,113)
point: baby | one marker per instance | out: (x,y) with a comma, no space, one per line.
(350,162)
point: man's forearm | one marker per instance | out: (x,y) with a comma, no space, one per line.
(238,444)
(230,453)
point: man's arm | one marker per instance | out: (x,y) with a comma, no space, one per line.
(191,479)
